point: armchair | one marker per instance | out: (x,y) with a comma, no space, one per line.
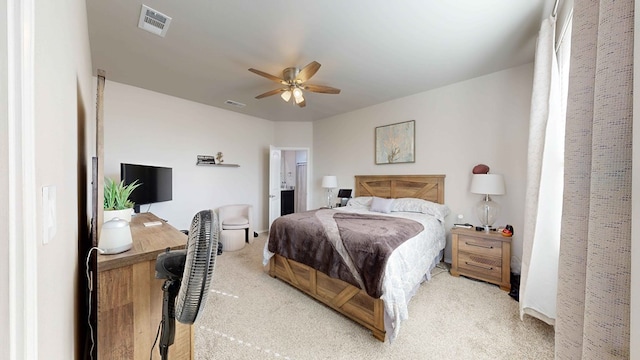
(236,226)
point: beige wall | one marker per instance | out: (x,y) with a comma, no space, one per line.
(62,93)
(4,186)
(145,127)
(491,127)
(63,101)
(482,120)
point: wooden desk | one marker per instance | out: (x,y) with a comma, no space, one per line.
(130,297)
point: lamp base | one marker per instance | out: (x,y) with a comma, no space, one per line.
(487,211)
(330,203)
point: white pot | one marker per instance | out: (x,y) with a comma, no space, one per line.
(124,214)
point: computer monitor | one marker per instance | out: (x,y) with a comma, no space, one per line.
(344,193)
(156,183)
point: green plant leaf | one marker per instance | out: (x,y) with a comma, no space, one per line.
(116,195)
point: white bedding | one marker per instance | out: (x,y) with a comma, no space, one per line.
(408,266)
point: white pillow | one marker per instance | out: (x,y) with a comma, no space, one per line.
(439,211)
(381,205)
(360,202)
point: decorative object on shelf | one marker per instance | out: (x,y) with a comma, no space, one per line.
(487,184)
(480,169)
(116,199)
(220,165)
(219,157)
(507,231)
(329,182)
(395,143)
(206,160)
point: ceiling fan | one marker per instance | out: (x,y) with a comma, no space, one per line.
(294,81)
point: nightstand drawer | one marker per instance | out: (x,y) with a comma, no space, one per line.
(490,248)
(486,267)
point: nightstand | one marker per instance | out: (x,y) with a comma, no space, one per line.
(481,255)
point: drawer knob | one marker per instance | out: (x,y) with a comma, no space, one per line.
(479,245)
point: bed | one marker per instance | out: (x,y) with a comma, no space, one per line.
(380,309)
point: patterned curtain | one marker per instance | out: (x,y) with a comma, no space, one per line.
(593,304)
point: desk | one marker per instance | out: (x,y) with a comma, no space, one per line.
(130,297)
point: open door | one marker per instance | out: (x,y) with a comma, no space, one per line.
(275,159)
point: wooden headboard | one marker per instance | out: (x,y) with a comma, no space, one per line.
(427,187)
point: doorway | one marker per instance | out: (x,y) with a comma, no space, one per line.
(293,177)
(288,181)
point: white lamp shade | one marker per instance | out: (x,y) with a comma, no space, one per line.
(487,184)
(329,182)
(297,95)
(286,95)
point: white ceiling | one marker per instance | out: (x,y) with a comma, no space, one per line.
(373,50)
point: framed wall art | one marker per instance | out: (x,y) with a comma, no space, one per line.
(395,143)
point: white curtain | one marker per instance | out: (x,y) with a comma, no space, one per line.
(301,187)
(545,171)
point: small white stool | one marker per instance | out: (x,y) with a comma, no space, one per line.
(232,240)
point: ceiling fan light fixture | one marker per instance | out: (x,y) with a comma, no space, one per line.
(295,81)
(286,95)
(297,95)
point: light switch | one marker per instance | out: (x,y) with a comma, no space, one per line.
(49,223)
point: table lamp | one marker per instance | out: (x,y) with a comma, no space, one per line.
(329,182)
(487,209)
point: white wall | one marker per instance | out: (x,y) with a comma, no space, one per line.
(145,127)
(293,134)
(63,102)
(483,120)
(4,184)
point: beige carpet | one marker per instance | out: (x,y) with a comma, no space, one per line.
(250,315)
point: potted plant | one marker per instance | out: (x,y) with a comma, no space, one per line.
(116,199)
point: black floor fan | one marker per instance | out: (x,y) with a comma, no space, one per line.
(187,275)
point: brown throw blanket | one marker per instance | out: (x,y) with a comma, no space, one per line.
(366,240)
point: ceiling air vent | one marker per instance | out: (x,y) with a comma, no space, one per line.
(153,21)
(235,103)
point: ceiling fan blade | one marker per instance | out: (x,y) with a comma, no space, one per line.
(268,76)
(321,89)
(307,72)
(269,93)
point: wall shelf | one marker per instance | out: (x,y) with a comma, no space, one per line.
(221,165)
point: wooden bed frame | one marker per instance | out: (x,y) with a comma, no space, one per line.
(343,297)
